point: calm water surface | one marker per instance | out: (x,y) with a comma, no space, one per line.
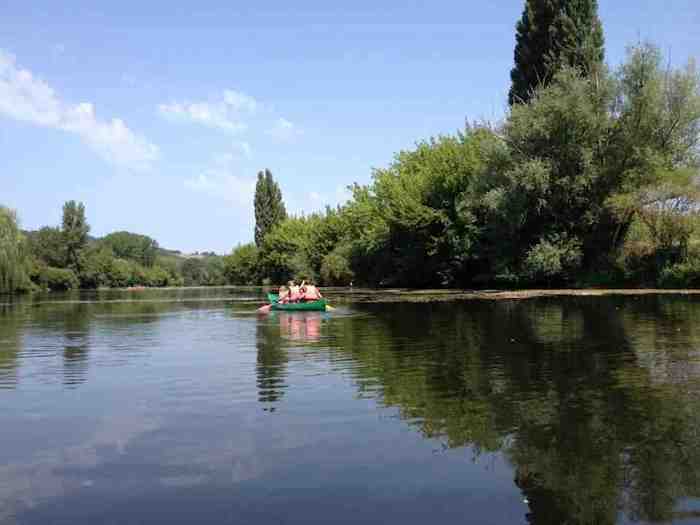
(186,407)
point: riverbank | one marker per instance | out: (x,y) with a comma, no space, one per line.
(340,295)
(399,295)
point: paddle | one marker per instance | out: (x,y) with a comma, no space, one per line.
(265,309)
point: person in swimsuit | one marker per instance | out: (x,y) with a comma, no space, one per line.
(294,292)
(311,293)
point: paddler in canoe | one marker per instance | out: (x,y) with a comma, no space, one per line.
(297,297)
(298,294)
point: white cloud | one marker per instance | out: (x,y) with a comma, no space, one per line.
(284,130)
(26,98)
(227,186)
(227,114)
(212,115)
(220,180)
(240,101)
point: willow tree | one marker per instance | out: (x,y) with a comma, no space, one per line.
(269,206)
(550,35)
(13,256)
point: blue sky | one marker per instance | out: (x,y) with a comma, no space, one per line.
(158,117)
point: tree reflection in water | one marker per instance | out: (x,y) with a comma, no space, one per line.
(594,402)
(272,361)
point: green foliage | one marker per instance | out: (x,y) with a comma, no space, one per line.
(47,246)
(554,259)
(203,271)
(96,268)
(284,253)
(75,231)
(155,276)
(684,274)
(551,35)
(336,269)
(241,267)
(120,274)
(412,225)
(269,207)
(57,279)
(14,264)
(100,268)
(125,245)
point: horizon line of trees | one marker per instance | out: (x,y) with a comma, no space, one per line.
(65,258)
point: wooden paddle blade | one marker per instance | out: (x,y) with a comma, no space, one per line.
(329,308)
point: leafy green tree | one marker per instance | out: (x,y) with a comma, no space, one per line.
(241,266)
(552,181)
(96,267)
(14,268)
(132,246)
(194,272)
(336,269)
(75,231)
(410,226)
(269,206)
(58,279)
(286,250)
(552,34)
(47,246)
(120,274)
(157,277)
(215,270)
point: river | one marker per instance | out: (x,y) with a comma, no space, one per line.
(186,406)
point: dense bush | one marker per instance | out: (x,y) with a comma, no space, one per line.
(241,267)
(131,246)
(336,269)
(57,279)
(684,274)
(553,260)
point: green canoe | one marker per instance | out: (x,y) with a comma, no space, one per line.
(306,306)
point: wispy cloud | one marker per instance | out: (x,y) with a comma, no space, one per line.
(283,130)
(221,180)
(244,148)
(227,114)
(25,98)
(240,101)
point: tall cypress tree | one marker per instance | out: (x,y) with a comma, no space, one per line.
(269,206)
(74,229)
(550,35)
